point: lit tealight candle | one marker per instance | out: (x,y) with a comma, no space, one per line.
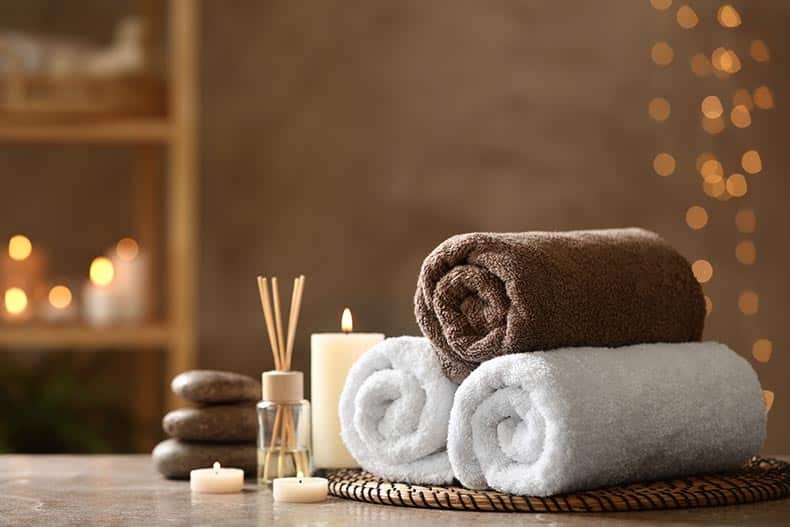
(300,489)
(216,480)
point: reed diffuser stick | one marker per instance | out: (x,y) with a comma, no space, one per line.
(278,319)
(263,289)
(296,304)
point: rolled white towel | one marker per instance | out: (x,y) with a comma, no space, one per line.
(574,419)
(394,411)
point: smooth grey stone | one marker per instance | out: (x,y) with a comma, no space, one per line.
(212,386)
(220,423)
(175,458)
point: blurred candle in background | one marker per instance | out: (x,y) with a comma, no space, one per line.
(23,266)
(130,284)
(60,306)
(331,356)
(99,302)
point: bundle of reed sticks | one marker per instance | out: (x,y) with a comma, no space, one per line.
(282,351)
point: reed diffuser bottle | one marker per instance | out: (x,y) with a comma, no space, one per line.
(284,435)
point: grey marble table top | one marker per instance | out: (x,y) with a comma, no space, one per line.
(126,490)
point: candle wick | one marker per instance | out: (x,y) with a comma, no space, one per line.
(216,467)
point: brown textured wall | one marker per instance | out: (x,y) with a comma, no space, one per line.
(344,140)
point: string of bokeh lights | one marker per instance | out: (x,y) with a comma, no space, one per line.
(723,64)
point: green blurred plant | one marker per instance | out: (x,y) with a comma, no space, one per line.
(62,405)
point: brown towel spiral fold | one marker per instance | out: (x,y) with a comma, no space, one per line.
(481,295)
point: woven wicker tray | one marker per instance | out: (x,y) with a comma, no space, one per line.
(759,480)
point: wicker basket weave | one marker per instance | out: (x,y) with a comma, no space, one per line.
(760,479)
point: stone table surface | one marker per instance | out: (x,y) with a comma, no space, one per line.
(126,490)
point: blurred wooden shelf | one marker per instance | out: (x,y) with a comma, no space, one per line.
(121,130)
(84,337)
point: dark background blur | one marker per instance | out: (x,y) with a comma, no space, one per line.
(344,140)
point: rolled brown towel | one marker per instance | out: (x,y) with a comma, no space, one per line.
(481,295)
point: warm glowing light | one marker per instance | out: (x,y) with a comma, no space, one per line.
(15,301)
(662,54)
(759,51)
(762,350)
(714,189)
(711,107)
(748,302)
(101,271)
(751,162)
(708,306)
(742,97)
(736,185)
(346,322)
(711,171)
(664,164)
(768,395)
(763,98)
(127,249)
(741,117)
(60,297)
(661,5)
(686,17)
(703,271)
(700,65)
(728,16)
(746,252)
(659,109)
(702,157)
(696,217)
(713,126)
(745,221)
(725,60)
(19,247)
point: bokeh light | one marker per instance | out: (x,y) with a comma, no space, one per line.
(762,350)
(712,107)
(696,217)
(763,98)
(759,51)
(742,97)
(725,60)
(728,16)
(736,185)
(711,170)
(703,271)
(659,109)
(15,301)
(714,189)
(661,5)
(127,249)
(664,164)
(701,158)
(745,221)
(700,65)
(713,126)
(741,117)
(686,17)
(662,54)
(751,162)
(746,252)
(748,302)
(60,297)
(19,247)
(101,271)
(768,396)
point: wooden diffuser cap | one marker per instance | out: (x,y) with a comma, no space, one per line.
(282,386)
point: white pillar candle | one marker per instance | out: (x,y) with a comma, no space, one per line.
(99,306)
(332,355)
(131,265)
(300,490)
(216,480)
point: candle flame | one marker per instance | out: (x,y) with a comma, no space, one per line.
(127,249)
(19,247)
(60,297)
(346,322)
(15,301)
(299,475)
(216,467)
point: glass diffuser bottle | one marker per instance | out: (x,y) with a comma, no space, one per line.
(284,448)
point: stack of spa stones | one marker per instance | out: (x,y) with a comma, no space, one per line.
(221,426)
